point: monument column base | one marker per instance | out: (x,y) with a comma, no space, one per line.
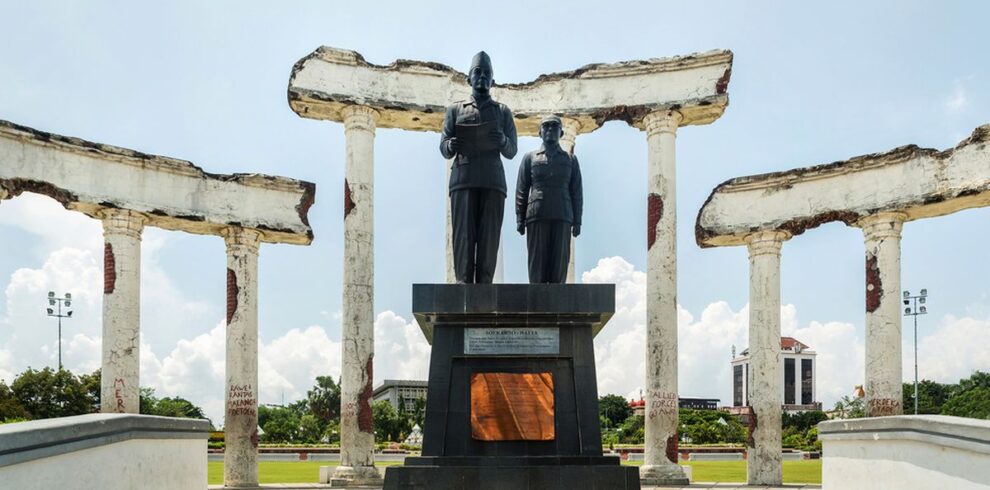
(664,474)
(354,477)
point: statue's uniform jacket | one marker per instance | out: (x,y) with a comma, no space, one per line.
(549,188)
(483,169)
(549,201)
(477,189)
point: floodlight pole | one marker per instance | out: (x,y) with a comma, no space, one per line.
(913,310)
(52,301)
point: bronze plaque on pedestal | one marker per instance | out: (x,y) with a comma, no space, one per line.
(512,407)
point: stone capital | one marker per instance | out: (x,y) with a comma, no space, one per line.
(571,127)
(359,117)
(3,194)
(659,122)
(122,222)
(241,238)
(882,225)
(766,242)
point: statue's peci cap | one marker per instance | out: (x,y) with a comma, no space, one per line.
(481,59)
(550,118)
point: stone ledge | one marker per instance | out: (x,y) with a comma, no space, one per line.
(26,441)
(958,432)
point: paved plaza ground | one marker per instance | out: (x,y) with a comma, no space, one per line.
(805,474)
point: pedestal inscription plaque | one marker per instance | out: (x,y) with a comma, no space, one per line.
(512,341)
(512,407)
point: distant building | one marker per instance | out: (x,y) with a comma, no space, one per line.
(639,406)
(401,393)
(798,377)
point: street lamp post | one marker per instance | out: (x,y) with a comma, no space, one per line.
(912,309)
(64,301)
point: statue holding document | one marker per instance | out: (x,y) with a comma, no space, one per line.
(476,133)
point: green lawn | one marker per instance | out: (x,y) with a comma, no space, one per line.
(807,471)
(804,471)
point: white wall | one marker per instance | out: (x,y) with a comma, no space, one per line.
(927,451)
(148,464)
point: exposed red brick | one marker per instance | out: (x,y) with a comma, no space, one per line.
(365,420)
(874,289)
(306,201)
(254,438)
(722,85)
(109,269)
(232,291)
(654,211)
(348,202)
(672,448)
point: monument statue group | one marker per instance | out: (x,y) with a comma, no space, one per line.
(548,191)
(512,396)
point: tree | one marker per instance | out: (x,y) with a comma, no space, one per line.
(850,408)
(91,383)
(324,400)
(710,426)
(973,403)
(802,421)
(310,429)
(48,394)
(614,410)
(11,409)
(632,430)
(931,396)
(389,423)
(979,379)
(280,424)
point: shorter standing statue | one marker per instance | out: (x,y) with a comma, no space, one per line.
(549,200)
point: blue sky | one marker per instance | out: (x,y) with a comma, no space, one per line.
(206,82)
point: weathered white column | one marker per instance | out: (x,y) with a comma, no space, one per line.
(119,391)
(241,399)
(660,458)
(571,127)
(357,438)
(766,387)
(882,233)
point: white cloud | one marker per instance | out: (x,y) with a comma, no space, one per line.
(705,344)
(958,99)
(401,350)
(57,227)
(950,352)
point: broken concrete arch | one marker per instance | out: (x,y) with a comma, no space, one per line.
(173,194)
(413,95)
(919,182)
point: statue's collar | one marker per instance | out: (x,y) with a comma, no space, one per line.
(484,101)
(543,149)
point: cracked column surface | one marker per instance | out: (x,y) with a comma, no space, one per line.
(660,455)
(241,399)
(571,127)
(882,233)
(357,438)
(765,390)
(119,392)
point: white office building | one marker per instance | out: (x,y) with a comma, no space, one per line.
(798,377)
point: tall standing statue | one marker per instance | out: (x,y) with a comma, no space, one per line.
(475,132)
(549,201)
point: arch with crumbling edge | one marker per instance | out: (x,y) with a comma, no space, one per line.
(877,192)
(128,190)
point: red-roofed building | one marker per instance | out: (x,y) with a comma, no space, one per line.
(798,372)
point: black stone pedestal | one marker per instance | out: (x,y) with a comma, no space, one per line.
(468,325)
